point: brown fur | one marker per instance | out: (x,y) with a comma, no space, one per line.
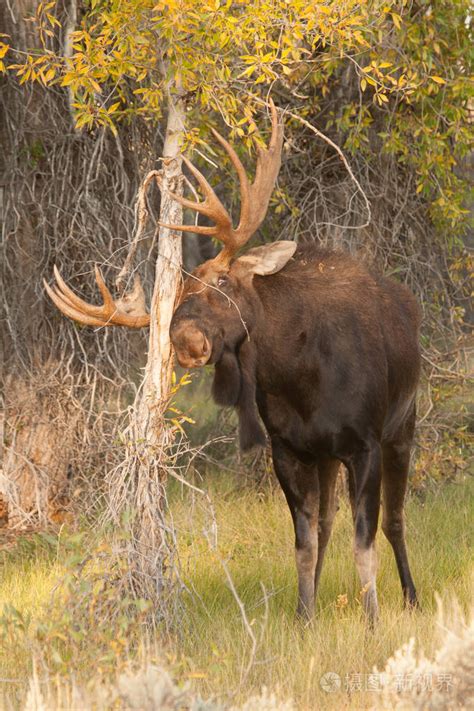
(326,351)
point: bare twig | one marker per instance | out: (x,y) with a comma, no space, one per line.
(141,217)
(341,155)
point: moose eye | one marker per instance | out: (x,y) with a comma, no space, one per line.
(222,280)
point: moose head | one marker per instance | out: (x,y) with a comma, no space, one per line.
(216,307)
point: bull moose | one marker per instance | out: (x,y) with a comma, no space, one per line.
(316,346)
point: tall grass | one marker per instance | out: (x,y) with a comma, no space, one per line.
(246,536)
(255,543)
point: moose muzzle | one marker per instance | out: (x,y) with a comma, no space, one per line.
(192,346)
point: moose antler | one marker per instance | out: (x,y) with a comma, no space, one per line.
(254,196)
(128,311)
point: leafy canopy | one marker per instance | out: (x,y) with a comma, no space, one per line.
(410,63)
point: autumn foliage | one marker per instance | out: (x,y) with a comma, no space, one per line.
(407,63)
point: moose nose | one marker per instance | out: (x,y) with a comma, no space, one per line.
(192,346)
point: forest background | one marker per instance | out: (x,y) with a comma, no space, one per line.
(87,90)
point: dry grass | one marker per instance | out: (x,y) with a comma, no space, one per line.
(445,681)
(213,653)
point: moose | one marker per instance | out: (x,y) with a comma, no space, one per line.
(315,345)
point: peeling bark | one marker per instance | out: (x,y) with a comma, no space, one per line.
(139,484)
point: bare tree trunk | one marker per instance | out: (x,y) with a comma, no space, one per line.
(167,279)
(139,483)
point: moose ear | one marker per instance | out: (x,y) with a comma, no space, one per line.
(268,259)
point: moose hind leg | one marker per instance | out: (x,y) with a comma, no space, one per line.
(367,477)
(328,470)
(396,462)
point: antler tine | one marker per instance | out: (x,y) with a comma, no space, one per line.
(270,157)
(109,304)
(277,128)
(68,310)
(67,294)
(211,207)
(197,229)
(111,313)
(254,197)
(268,165)
(242,175)
(208,192)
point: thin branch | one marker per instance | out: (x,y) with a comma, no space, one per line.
(341,155)
(141,218)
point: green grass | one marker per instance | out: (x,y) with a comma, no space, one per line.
(249,535)
(255,538)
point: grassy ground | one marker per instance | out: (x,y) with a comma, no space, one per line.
(247,536)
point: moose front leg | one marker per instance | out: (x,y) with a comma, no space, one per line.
(301,488)
(305,520)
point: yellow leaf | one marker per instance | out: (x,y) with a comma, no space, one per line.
(83,120)
(96,86)
(68,79)
(248,72)
(438,80)
(53,20)
(397,20)
(178,426)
